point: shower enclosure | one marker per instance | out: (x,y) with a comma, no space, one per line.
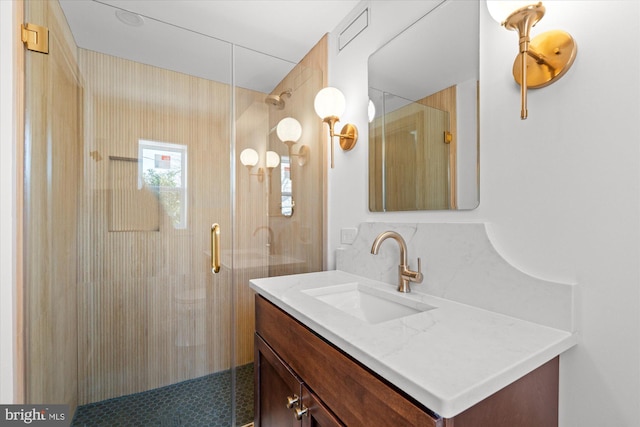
(127,166)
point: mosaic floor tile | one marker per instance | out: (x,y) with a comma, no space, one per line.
(199,402)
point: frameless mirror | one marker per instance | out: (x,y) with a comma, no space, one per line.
(423,113)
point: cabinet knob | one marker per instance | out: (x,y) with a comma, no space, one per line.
(298,413)
(292,401)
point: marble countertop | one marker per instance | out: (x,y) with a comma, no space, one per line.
(448,358)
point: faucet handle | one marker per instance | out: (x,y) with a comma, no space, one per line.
(419,276)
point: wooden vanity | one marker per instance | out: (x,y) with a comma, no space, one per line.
(323,386)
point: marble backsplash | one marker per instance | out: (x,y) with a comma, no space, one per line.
(459,263)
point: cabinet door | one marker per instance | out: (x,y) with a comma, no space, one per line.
(275,386)
(317,415)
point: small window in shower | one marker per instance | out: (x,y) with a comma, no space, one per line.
(286,206)
(162,168)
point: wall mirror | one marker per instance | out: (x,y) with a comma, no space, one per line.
(423,114)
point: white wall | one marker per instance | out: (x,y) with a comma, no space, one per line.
(561,190)
(7,201)
(467,152)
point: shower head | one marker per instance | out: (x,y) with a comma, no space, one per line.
(275,101)
(278,100)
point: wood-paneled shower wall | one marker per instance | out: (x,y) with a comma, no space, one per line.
(146,297)
(134,311)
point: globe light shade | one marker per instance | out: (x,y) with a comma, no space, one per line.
(289,129)
(501,9)
(249,157)
(329,102)
(273,159)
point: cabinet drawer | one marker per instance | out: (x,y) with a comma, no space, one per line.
(355,395)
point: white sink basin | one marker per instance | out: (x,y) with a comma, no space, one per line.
(367,303)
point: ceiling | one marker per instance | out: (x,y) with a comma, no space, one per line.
(195,36)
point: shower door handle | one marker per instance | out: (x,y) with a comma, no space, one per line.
(215,248)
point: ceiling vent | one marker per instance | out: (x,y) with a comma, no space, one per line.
(353,29)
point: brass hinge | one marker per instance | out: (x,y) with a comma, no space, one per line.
(35,37)
(448,137)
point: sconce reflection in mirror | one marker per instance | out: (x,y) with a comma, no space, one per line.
(249,158)
(371,111)
(289,132)
(273,160)
(544,59)
(329,105)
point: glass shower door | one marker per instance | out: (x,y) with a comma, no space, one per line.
(129,164)
(149,305)
(278,186)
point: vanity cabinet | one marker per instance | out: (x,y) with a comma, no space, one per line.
(337,390)
(283,400)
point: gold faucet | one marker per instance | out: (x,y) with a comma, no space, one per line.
(404,274)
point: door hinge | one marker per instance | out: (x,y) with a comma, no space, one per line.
(35,37)
(448,137)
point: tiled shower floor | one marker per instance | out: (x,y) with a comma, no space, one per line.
(199,402)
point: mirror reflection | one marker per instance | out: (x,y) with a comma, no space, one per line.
(293,135)
(423,113)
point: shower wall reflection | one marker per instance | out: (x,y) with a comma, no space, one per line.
(269,243)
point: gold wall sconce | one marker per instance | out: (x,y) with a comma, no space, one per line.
(249,158)
(329,105)
(289,132)
(544,59)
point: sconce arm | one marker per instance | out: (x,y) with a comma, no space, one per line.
(542,60)
(521,21)
(539,57)
(348,135)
